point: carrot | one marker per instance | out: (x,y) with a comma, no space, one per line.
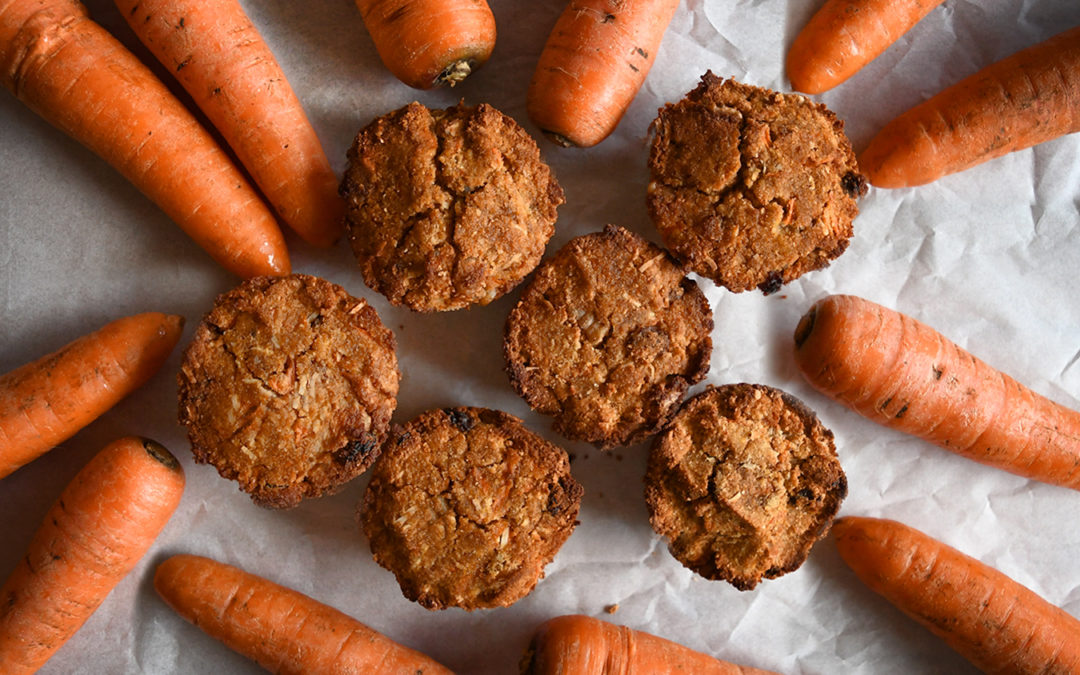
(79,78)
(592,66)
(580,645)
(1025,99)
(905,375)
(996,623)
(221,60)
(427,43)
(845,35)
(46,401)
(283,630)
(101,526)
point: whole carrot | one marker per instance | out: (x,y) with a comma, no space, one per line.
(101,526)
(427,43)
(996,623)
(1028,98)
(283,630)
(845,35)
(70,71)
(905,375)
(580,645)
(46,401)
(592,66)
(221,60)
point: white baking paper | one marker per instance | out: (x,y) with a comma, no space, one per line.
(990,257)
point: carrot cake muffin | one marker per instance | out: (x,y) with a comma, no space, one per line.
(466,506)
(750,187)
(743,482)
(288,387)
(607,337)
(447,208)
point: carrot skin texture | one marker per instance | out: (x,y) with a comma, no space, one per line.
(593,64)
(46,401)
(845,35)
(580,645)
(97,531)
(1025,99)
(905,375)
(80,79)
(991,620)
(219,57)
(427,43)
(281,629)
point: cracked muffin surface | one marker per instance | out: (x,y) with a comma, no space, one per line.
(466,507)
(607,338)
(750,187)
(447,208)
(288,387)
(743,482)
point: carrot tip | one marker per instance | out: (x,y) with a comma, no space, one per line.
(559,139)
(161,454)
(805,327)
(455,72)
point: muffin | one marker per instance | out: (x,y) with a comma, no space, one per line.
(750,187)
(743,483)
(607,337)
(466,507)
(447,208)
(288,387)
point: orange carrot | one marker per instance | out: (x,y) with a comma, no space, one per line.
(43,403)
(996,623)
(221,60)
(845,35)
(70,71)
(283,630)
(427,43)
(101,526)
(1028,98)
(580,645)
(592,66)
(905,375)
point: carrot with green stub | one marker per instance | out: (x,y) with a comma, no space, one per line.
(80,79)
(593,64)
(46,401)
(580,645)
(1025,99)
(903,374)
(97,531)
(427,43)
(845,35)
(217,54)
(996,623)
(283,630)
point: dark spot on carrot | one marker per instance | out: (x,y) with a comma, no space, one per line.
(183,63)
(772,283)
(854,184)
(461,420)
(633,67)
(351,451)
(397,13)
(135,9)
(181,24)
(608,18)
(217,90)
(644,54)
(901,411)
(885,404)
(938,372)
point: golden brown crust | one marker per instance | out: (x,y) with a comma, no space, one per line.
(288,387)
(447,208)
(607,338)
(466,507)
(750,187)
(743,482)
